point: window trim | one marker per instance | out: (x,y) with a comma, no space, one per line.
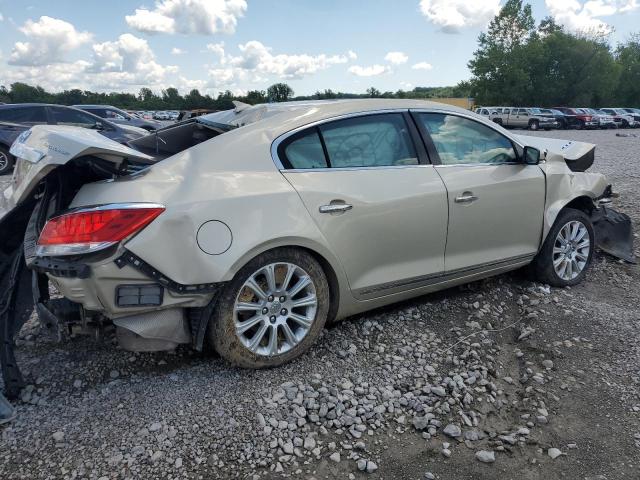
(431,148)
(282,141)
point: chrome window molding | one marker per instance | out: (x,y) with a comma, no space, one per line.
(276,143)
(471,116)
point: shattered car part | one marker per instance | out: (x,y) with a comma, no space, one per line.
(230,199)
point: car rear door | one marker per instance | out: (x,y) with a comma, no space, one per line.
(380,205)
(496,202)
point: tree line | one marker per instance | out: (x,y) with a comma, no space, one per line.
(170,98)
(517,62)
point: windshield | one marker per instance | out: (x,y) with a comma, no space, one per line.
(619,111)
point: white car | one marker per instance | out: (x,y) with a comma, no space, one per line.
(250,229)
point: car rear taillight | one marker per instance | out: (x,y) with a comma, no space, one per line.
(87,230)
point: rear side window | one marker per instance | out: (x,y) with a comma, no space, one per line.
(378,140)
(23,115)
(371,141)
(305,151)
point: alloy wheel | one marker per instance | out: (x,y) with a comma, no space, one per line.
(275,309)
(571,250)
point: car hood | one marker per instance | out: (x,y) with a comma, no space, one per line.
(43,148)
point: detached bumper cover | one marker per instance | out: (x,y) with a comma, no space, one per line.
(614,233)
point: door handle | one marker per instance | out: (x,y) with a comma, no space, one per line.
(335,208)
(466,197)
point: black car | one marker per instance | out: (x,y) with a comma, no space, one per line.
(564,120)
(16,118)
(116,115)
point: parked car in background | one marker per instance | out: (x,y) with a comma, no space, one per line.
(583,119)
(564,120)
(621,116)
(604,119)
(317,176)
(635,112)
(487,112)
(116,115)
(186,114)
(519,117)
(17,118)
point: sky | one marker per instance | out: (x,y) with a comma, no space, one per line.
(241,45)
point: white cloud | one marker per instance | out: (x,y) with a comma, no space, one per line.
(177,51)
(396,58)
(217,48)
(422,66)
(453,15)
(128,60)
(49,41)
(579,16)
(256,57)
(204,17)
(371,71)
(1,17)
(352,55)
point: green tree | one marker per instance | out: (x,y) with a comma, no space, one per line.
(628,59)
(171,98)
(500,65)
(279,92)
(373,92)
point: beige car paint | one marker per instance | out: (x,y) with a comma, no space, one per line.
(505,220)
(232,178)
(398,221)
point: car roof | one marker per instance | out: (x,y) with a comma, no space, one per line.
(291,115)
(97,106)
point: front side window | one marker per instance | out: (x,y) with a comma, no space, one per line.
(460,141)
(522,111)
(379,140)
(69,116)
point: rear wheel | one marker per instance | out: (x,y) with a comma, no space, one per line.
(272,311)
(6,160)
(566,253)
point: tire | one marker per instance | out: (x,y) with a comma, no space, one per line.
(625,124)
(6,160)
(542,266)
(562,125)
(498,121)
(534,125)
(235,346)
(580,125)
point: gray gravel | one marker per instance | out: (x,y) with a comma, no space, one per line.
(489,380)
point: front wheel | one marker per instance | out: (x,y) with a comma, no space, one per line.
(566,253)
(272,310)
(534,125)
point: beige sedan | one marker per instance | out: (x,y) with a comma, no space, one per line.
(253,228)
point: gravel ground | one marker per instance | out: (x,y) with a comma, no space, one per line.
(502,378)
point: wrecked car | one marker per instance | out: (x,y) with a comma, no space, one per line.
(250,229)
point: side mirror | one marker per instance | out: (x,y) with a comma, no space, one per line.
(531,156)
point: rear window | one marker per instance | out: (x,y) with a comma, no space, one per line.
(23,115)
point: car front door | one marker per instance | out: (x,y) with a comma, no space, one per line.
(496,202)
(382,208)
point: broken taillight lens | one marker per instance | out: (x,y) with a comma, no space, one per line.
(91,229)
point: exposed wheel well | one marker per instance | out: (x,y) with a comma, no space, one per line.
(583,203)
